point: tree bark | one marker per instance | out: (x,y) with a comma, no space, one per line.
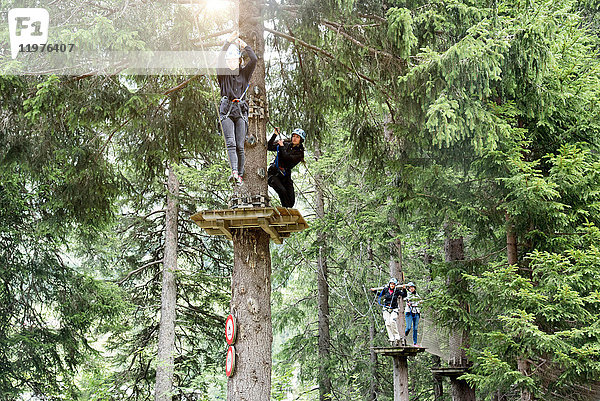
(438,385)
(251,277)
(400,378)
(372,355)
(324,342)
(454,250)
(373,361)
(512,259)
(524,369)
(166,331)
(461,391)
(511,242)
(397,272)
(251,305)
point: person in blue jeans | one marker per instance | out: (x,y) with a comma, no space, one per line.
(412,312)
(233,111)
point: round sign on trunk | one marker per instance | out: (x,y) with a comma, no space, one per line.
(230,329)
(230,361)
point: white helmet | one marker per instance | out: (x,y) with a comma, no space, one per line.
(393,280)
(233,52)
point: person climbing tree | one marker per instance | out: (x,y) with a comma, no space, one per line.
(233,110)
(388,299)
(289,154)
(412,312)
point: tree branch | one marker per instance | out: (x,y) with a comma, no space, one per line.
(335,27)
(139,269)
(325,53)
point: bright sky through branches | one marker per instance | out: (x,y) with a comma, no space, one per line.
(217,5)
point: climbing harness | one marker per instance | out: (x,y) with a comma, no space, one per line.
(275,163)
(239,101)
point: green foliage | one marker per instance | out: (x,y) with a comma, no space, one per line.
(50,311)
(490,124)
(400,30)
(551,318)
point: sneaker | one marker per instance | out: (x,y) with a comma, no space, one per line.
(237,178)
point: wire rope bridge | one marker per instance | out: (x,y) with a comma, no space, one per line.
(255,212)
(436,340)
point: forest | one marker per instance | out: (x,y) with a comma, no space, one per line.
(452,144)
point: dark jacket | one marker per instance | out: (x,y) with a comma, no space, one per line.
(233,86)
(390,300)
(288,156)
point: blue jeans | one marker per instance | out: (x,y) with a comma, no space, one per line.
(234,125)
(412,320)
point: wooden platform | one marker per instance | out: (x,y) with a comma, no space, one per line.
(454,371)
(398,351)
(278,222)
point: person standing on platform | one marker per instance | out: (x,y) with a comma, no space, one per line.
(388,299)
(233,110)
(289,154)
(412,311)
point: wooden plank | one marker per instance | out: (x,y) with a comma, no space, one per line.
(264,224)
(398,351)
(223,226)
(283,220)
(245,223)
(237,214)
(197,217)
(450,371)
(213,231)
(279,223)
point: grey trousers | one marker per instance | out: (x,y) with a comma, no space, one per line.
(234,130)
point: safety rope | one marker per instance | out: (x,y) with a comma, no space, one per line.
(210,84)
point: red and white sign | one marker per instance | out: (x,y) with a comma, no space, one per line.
(230,329)
(230,361)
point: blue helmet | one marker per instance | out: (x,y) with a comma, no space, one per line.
(300,132)
(393,280)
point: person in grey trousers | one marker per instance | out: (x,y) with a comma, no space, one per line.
(233,110)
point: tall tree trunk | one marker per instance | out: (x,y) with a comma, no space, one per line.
(323,294)
(438,385)
(251,277)
(512,259)
(400,378)
(524,369)
(511,242)
(396,271)
(454,250)
(166,330)
(373,361)
(372,355)
(250,304)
